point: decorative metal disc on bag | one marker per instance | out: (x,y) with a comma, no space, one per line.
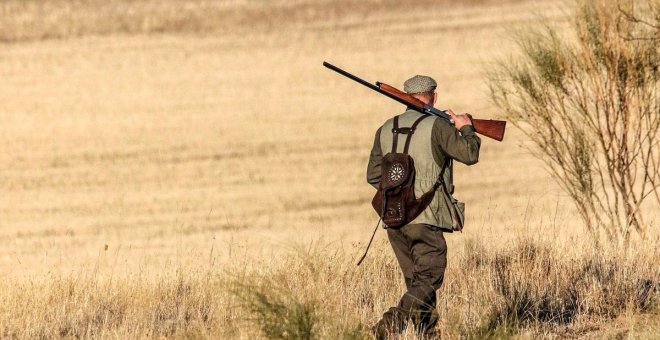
(397,172)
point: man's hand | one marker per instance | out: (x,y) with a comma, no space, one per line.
(459,120)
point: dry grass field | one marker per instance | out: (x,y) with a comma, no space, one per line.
(190,170)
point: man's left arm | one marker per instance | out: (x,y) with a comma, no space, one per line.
(374,171)
(462,145)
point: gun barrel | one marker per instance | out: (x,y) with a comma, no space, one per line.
(369,85)
(489,128)
(350,76)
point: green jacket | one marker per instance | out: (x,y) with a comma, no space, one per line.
(434,140)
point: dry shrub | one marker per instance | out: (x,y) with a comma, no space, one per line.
(589,104)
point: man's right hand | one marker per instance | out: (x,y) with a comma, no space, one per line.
(459,120)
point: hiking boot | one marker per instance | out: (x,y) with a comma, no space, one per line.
(381,330)
(392,323)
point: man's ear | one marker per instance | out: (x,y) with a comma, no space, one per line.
(435,98)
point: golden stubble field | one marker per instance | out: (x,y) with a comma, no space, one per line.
(144,156)
(164,146)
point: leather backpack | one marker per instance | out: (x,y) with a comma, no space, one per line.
(395,201)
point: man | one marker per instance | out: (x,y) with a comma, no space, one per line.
(420,246)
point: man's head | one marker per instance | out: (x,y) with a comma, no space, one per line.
(422,88)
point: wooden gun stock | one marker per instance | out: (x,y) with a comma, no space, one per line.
(401,95)
(486,127)
(490,128)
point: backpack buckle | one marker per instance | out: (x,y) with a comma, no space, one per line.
(405,130)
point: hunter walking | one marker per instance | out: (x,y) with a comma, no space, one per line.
(419,246)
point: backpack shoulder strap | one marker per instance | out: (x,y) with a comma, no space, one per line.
(395,131)
(411,132)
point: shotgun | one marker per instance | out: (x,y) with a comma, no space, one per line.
(487,127)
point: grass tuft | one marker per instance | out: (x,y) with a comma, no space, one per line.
(536,284)
(279,314)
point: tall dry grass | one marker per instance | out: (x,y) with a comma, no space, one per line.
(88,305)
(530,288)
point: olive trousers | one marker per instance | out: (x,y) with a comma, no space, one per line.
(421,251)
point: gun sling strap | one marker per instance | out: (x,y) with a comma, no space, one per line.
(427,197)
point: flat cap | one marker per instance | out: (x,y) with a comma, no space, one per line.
(418,84)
